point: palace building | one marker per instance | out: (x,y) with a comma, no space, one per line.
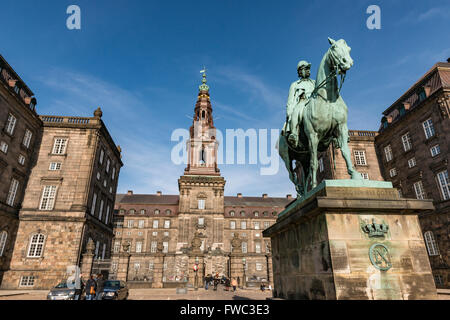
(413,147)
(159,238)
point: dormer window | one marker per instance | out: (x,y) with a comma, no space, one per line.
(402,110)
(422,94)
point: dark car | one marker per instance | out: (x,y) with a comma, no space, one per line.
(62,292)
(115,290)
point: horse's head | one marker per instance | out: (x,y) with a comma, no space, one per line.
(340,55)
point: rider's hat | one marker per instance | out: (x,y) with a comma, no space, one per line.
(303,64)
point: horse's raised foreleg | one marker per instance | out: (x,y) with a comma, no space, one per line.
(342,140)
(313,143)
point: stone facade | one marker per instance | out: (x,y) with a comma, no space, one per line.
(196,225)
(362,242)
(20,135)
(364,158)
(69,200)
(413,148)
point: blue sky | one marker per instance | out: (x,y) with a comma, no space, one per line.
(140,60)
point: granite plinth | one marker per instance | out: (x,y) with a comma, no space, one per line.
(351,242)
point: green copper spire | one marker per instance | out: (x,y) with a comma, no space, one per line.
(203,86)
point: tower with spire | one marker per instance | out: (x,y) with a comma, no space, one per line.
(201,203)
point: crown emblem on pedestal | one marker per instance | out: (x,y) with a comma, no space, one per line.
(375,229)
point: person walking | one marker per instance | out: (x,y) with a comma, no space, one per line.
(216,281)
(91,287)
(227,284)
(239,282)
(234,284)
(207,280)
(100,286)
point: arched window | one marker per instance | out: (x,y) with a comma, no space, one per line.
(156,211)
(3,237)
(168,211)
(265,213)
(142,211)
(242,213)
(232,213)
(36,245)
(256,213)
(132,211)
(274,213)
(432,247)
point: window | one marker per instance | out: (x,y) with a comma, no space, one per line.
(438,280)
(258,266)
(138,247)
(113,175)
(257,235)
(233,225)
(201,204)
(393,172)
(114,266)
(141,224)
(432,247)
(232,213)
(104,183)
(150,266)
(108,163)
(27,138)
(360,157)
(4,147)
(201,221)
(107,214)
(388,153)
(98,175)
(444,184)
(400,193)
(140,233)
(256,214)
(12,192)
(27,281)
(258,247)
(132,211)
(420,192)
(256,224)
(94,200)
(321,165)
(166,233)
(10,124)
(412,162)
(435,150)
(154,233)
(156,211)
(142,211)
(48,198)
(406,140)
(165,246)
(54,166)
(137,266)
(110,189)
(155,224)
(428,128)
(266,224)
(166,224)
(59,147)
(168,211)
(243,224)
(265,214)
(100,213)
(21,159)
(3,238)
(97,246)
(242,213)
(116,247)
(365,175)
(103,251)
(244,247)
(36,245)
(130,223)
(102,154)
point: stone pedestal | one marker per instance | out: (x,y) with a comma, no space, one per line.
(122,267)
(350,239)
(158,270)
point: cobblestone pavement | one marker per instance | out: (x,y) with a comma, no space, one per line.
(170,294)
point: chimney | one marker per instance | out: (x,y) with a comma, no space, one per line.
(130,192)
(239,195)
(158,193)
(289,196)
(264,195)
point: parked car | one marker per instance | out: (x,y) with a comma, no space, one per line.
(61,292)
(115,290)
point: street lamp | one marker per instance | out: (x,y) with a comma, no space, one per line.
(244,262)
(196,275)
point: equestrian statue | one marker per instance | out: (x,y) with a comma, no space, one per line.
(316,116)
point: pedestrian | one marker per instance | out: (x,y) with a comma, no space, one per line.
(100,286)
(239,282)
(91,287)
(78,288)
(234,284)
(227,284)
(207,280)
(216,281)
(263,287)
